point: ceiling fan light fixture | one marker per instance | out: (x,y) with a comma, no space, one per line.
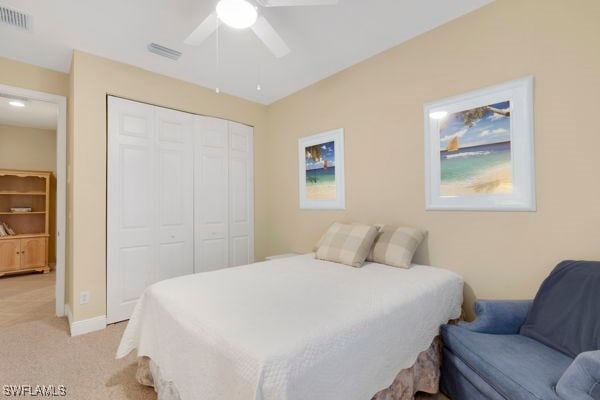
(238,14)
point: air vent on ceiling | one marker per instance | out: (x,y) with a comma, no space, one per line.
(14,17)
(164,51)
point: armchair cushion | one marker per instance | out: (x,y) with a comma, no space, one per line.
(565,314)
(581,381)
(517,367)
(501,317)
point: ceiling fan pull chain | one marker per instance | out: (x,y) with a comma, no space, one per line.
(218,62)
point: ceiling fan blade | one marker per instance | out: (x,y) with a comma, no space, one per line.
(270,37)
(295,3)
(203,31)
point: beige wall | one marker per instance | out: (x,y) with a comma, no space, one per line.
(16,73)
(92,79)
(35,150)
(379,103)
(27,148)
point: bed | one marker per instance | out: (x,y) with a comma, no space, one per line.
(296,328)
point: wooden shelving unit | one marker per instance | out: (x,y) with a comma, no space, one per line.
(28,249)
(8,192)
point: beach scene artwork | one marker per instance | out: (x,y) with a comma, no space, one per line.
(475,151)
(320,171)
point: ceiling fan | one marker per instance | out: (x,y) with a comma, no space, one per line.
(242,14)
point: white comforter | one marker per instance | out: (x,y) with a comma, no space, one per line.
(291,329)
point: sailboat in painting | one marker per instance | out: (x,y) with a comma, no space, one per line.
(453,145)
(475,151)
(320,171)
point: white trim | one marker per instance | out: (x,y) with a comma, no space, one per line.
(68,314)
(520,94)
(86,326)
(61,182)
(339,203)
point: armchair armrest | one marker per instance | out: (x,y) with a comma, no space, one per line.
(501,317)
(581,381)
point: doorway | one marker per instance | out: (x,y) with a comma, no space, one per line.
(33,138)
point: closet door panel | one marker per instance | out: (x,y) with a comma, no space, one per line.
(131,227)
(136,261)
(172,261)
(175,192)
(241,199)
(213,255)
(211,194)
(150,200)
(136,212)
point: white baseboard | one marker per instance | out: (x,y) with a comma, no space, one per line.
(85,326)
(68,313)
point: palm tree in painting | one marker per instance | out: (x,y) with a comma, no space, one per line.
(313,152)
(473,115)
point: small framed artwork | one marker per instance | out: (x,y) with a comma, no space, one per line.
(479,150)
(321,170)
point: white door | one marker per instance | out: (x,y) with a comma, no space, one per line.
(150,200)
(241,194)
(211,199)
(175,174)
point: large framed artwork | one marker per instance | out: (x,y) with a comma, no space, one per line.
(479,150)
(321,170)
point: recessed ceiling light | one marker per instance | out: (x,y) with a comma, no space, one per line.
(438,114)
(16,103)
(238,14)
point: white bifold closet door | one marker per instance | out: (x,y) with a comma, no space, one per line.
(241,195)
(180,198)
(150,200)
(223,200)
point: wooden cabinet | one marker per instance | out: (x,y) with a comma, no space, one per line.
(10,255)
(34,253)
(24,254)
(24,207)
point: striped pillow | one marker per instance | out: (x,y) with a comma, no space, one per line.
(396,246)
(346,243)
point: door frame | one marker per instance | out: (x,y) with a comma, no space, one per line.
(61,182)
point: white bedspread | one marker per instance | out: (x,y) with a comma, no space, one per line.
(291,329)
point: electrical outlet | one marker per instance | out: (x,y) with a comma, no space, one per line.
(84,297)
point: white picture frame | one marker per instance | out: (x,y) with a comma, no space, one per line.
(486,182)
(321,177)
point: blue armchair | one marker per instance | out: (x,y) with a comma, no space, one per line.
(489,359)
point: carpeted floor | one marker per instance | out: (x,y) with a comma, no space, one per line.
(26,297)
(36,349)
(42,353)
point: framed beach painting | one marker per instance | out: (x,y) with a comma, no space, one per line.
(479,150)
(321,170)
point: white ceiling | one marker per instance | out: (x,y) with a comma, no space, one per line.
(35,114)
(323,40)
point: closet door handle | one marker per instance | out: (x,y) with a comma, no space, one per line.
(23,252)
